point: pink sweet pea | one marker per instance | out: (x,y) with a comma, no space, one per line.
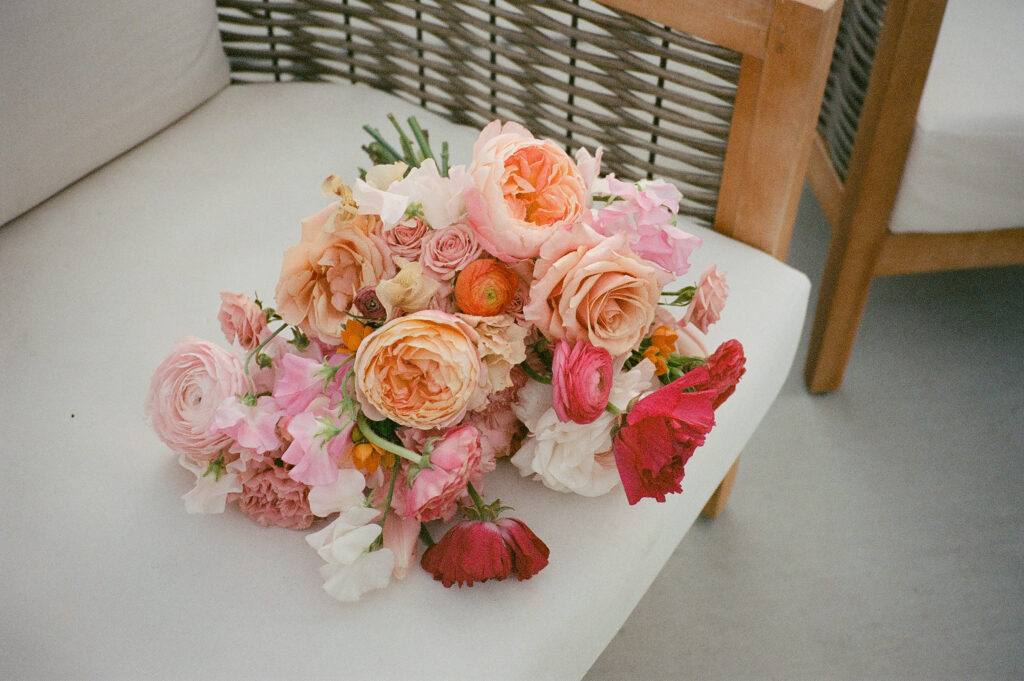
(477,550)
(252,427)
(319,444)
(581,380)
(435,490)
(646,216)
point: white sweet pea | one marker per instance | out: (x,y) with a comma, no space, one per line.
(211,491)
(384,175)
(346,492)
(349,582)
(439,198)
(352,569)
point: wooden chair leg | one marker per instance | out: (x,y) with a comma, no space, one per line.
(844,291)
(717,501)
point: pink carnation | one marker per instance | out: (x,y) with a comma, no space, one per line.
(241,320)
(272,498)
(184,394)
(706,307)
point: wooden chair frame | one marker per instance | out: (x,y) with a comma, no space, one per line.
(859,208)
(784,49)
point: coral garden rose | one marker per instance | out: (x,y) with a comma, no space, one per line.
(421,370)
(337,256)
(581,381)
(524,189)
(594,288)
(184,393)
(271,498)
(477,550)
(241,319)
(485,287)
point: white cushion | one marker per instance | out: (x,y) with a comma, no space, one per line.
(965,170)
(105,573)
(82,82)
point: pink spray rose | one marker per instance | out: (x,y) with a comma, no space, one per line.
(448,250)
(524,190)
(272,498)
(706,307)
(184,394)
(477,550)
(595,288)
(581,381)
(241,320)
(404,240)
(435,490)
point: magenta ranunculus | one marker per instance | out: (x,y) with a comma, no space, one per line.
(184,394)
(581,380)
(241,320)
(477,550)
(272,498)
(436,490)
(660,434)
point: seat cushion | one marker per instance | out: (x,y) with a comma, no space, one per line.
(112,578)
(84,82)
(964,171)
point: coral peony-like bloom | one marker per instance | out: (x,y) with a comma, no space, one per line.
(421,370)
(660,434)
(241,320)
(337,256)
(524,189)
(184,393)
(590,287)
(271,498)
(485,287)
(448,250)
(706,307)
(436,488)
(581,380)
(477,550)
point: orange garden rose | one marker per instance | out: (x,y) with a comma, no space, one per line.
(524,190)
(421,370)
(336,257)
(485,288)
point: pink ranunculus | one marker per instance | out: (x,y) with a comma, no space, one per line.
(595,288)
(337,256)
(645,215)
(435,490)
(524,189)
(420,370)
(448,250)
(241,320)
(477,550)
(660,434)
(272,498)
(581,380)
(184,393)
(706,307)
(405,240)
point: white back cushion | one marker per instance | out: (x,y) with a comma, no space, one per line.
(82,82)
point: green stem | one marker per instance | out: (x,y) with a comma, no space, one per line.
(477,501)
(425,535)
(533,374)
(373,438)
(421,138)
(256,351)
(612,409)
(375,134)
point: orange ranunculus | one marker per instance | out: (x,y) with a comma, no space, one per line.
(485,288)
(421,370)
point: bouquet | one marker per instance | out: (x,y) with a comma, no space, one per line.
(433,320)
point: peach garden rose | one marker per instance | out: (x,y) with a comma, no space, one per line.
(421,370)
(524,190)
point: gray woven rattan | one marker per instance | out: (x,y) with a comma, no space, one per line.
(658,101)
(859,28)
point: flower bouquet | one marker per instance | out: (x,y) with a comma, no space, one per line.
(440,318)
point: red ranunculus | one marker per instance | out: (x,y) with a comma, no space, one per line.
(726,366)
(581,380)
(660,434)
(477,550)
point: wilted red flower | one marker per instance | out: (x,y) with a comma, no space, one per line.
(477,550)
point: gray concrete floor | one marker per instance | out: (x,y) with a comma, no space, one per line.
(874,533)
